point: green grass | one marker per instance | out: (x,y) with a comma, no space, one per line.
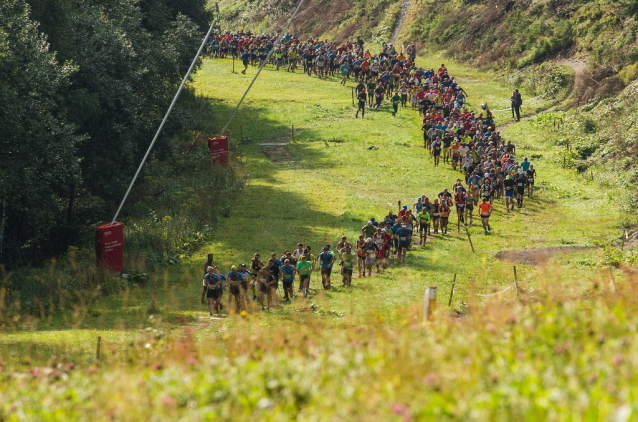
(315,192)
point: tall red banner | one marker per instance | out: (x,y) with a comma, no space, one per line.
(109,246)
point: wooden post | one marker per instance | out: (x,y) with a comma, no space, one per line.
(516,281)
(97,351)
(452,291)
(293,133)
(458,223)
(352,92)
(564,162)
(624,236)
(470,239)
(554,122)
(592,175)
(233,64)
(429,304)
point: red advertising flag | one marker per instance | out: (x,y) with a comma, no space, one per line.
(219,149)
(109,246)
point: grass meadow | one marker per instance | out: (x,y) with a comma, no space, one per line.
(565,351)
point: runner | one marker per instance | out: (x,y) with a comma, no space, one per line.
(255,267)
(362,104)
(361,255)
(327,259)
(444,214)
(485,210)
(234,281)
(395,103)
(348,261)
(245,276)
(263,281)
(521,183)
(304,267)
(509,192)
(288,276)
(402,242)
(423,217)
(371,252)
(531,175)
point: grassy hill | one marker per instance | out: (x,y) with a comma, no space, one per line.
(566,350)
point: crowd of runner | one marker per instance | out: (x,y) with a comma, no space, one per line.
(464,139)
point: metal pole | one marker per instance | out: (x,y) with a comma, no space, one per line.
(261,67)
(159,130)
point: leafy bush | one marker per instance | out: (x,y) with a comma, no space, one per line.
(589,125)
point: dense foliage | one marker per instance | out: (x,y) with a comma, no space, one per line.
(82,96)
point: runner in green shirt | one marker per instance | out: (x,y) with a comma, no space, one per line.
(368,230)
(305,269)
(395,103)
(424,224)
(348,260)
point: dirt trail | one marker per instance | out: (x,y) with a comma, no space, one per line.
(579,66)
(403,13)
(536,256)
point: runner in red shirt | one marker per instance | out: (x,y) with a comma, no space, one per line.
(485,210)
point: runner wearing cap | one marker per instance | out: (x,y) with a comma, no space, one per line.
(485,209)
(371,250)
(368,230)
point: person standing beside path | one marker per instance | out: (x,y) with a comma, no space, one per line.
(517,102)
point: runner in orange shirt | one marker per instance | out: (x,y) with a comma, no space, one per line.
(485,209)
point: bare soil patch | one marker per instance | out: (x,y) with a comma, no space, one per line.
(536,256)
(276,151)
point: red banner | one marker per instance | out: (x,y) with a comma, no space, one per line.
(219,149)
(109,246)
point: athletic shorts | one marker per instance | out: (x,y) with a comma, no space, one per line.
(446,151)
(214,294)
(470,207)
(520,191)
(530,181)
(444,219)
(326,271)
(403,245)
(305,278)
(486,217)
(287,284)
(234,290)
(263,287)
(509,193)
(422,226)
(459,208)
(347,271)
(369,260)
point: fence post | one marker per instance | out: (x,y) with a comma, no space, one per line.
(429,304)
(452,291)
(470,239)
(516,281)
(97,350)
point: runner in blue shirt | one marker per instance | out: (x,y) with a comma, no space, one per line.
(288,275)
(234,280)
(327,259)
(244,60)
